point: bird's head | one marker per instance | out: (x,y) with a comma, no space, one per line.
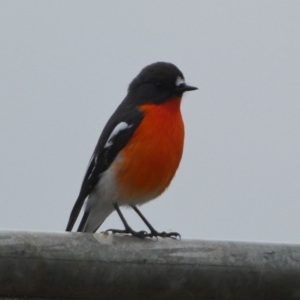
(158,83)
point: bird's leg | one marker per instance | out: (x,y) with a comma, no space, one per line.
(128,229)
(153,231)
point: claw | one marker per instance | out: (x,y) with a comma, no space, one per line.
(143,234)
(140,234)
(164,234)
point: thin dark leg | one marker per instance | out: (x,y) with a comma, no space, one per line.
(128,229)
(153,231)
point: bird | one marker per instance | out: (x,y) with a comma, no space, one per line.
(138,152)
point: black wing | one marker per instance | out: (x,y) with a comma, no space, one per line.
(106,151)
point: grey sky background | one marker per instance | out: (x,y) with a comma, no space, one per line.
(66,65)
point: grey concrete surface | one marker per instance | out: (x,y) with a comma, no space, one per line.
(97,266)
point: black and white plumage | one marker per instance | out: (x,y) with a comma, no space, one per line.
(156,85)
(114,137)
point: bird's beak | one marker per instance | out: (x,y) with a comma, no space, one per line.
(184,88)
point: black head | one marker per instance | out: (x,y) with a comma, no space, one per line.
(157,83)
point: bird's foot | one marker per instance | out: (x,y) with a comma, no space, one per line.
(174,235)
(140,234)
(143,234)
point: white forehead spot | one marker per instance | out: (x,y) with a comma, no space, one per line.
(179,81)
(121,126)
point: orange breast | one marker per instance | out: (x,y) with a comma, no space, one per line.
(149,162)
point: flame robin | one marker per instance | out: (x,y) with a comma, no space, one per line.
(138,152)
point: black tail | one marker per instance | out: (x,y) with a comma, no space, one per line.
(83,221)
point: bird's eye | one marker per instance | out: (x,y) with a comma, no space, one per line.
(160,84)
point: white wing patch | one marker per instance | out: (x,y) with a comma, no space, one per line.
(94,165)
(121,126)
(179,81)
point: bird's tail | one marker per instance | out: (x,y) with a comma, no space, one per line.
(95,214)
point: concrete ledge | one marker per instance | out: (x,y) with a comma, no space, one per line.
(96,266)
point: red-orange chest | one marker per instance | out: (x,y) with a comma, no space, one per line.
(149,161)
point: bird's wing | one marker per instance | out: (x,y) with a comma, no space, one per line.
(114,137)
